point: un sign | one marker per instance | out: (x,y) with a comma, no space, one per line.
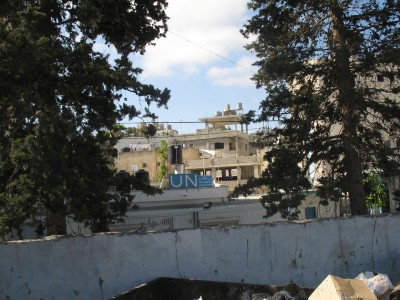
(189,181)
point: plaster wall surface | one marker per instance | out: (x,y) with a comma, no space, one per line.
(104,265)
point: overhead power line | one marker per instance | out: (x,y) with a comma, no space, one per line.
(212,52)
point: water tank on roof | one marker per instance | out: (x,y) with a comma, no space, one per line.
(227,107)
(240,106)
(175,154)
(218,114)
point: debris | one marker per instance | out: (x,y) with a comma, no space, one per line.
(290,292)
(379,284)
(262,296)
(336,288)
(395,294)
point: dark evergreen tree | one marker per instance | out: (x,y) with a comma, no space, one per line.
(60,100)
(331,74)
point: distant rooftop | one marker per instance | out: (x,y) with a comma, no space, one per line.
(227,117)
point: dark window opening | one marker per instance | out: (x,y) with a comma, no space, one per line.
(311,212)
(218,146)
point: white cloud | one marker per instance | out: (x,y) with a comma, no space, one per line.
(198,30)
(238,75)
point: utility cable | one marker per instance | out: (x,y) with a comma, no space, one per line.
(212,52)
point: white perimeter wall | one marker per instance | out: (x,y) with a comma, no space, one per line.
(105,265)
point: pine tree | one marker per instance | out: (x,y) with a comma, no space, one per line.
(331,74)
(60,100)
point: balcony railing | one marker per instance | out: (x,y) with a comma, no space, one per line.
(221,162)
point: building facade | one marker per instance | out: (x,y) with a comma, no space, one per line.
(383,83)
(222,150)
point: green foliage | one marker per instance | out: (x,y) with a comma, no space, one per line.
(248,117)
(285,181)
(147,130)
(60,100)
(318,62)
(125,184)
(328,190)
(375,189)
(162,151)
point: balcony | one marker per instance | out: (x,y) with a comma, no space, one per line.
(228,161)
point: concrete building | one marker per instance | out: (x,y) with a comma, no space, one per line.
(384,82)
(135,157)
(222,150)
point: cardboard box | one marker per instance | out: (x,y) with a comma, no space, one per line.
(336,288)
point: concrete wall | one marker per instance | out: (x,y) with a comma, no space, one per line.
(105,265)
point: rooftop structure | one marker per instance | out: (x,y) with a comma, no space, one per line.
(228,117)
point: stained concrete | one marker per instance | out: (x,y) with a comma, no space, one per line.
(105,265)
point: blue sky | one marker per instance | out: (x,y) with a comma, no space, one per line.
(200,81)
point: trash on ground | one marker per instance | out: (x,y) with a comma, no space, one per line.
(261,296)
(379,284)
(290,292)
(336,288)
(395,294)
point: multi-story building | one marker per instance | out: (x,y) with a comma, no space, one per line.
(222,150)
(383,84)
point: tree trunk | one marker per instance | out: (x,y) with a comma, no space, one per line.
(346,99)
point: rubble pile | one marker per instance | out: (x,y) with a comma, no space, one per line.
(366,285)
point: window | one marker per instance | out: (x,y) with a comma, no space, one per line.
(380,78)
(218,146)
(311,212)
(144,165)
